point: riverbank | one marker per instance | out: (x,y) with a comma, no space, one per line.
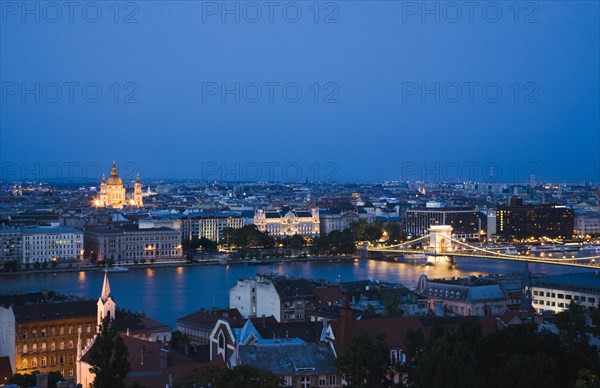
(185,263)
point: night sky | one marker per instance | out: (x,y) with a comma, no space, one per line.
(345,91)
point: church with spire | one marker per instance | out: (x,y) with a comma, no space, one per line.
(106,305)
(112,192)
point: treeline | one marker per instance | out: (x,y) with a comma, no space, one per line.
(373,231)
(518,356)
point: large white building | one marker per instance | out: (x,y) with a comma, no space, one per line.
(44,244)
(132,242)
(587,223)
(288,300)
(336,220)
(209,225)
(287,222)
(555,293)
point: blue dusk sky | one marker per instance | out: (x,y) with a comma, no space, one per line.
(341,90)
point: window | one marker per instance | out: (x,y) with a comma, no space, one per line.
(52,360)
(53,346)
(61,330)
(43,346)
(394,356)
(221,341)
(61,360)
(34,348)
(322,381)
(71,344)
(61,346)
(43,333)
(34,363)
(332,380)
(583,298)
(592,300)
(287,381)
(305,382)
(25,364)
(24,348)
(561,296)
(70,359)
(24,336)
(43,361)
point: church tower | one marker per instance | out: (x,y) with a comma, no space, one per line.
(137,193)
(106,305)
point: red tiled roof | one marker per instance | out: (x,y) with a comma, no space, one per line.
(325,296)
(210,317)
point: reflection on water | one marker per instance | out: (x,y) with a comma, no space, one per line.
(168,293)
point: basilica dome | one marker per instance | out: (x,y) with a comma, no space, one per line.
(114,179)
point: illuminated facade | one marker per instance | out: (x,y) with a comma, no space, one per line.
(466,223)
(112,192)
(286,222)
(45,331)
(534,221)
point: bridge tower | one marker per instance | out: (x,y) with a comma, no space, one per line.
(440,238)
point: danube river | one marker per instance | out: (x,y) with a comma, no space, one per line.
(167,293)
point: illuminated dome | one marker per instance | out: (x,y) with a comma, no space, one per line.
(114,179)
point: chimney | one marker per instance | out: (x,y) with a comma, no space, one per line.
(345,324)
(164,353)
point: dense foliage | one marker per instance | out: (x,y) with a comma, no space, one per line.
(29,379)
(518,356)
(241,376)
(109,357)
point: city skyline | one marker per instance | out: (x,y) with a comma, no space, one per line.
(346,90)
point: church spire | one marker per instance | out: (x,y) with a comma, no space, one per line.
(105,287)
(106,305)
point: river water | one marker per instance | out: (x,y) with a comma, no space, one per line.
(168,293)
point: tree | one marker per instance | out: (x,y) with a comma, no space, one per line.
(109,357)
(11,266)
(241,376)
(365,362)
(29,379)
(179,340)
